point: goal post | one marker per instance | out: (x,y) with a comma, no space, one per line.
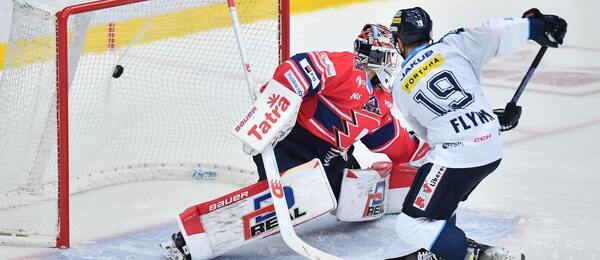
(98,93)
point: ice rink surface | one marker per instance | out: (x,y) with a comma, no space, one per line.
(542,200)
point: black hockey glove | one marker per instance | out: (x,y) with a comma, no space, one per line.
(541,26)
(508,116)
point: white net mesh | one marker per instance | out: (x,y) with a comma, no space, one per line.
(167,116)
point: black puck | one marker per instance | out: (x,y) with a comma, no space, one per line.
(118,71)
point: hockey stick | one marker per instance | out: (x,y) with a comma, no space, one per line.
(529,73)
(511,107)
(268,157)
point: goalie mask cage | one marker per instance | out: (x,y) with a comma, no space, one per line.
(72,120)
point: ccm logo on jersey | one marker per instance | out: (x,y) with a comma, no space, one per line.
(263,218)
(428,188)
(375,200)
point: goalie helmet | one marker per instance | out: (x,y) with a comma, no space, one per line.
(374,48)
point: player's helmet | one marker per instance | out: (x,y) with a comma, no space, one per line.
(374,48)
(411,25)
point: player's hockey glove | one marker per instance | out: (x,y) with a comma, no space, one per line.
(508,116)
(547,30)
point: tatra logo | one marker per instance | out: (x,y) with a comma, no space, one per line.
(278,105)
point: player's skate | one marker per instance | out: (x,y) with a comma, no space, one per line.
(478,251)
(176,248)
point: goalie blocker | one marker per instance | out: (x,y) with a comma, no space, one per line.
(217,226)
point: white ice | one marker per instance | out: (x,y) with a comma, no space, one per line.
(541,201)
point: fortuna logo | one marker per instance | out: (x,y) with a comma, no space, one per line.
(409,81)
(429,185)
(278,105)
(375,201)
(264,219)
(228,201)
(416,62)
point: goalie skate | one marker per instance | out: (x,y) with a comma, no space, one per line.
(176,248)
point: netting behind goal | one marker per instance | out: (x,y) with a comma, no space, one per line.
(167,115)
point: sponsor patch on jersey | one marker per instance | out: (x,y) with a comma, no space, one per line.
(358,65)
(329,67)
(310,72)
(289,75)
(429,186)
(372,105)
(412,79)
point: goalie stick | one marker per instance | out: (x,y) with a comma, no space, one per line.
(272,171)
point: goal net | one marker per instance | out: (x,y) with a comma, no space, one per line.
(114,91)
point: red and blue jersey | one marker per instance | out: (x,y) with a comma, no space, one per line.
(340,106)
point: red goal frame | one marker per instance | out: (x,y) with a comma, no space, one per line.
(62,86)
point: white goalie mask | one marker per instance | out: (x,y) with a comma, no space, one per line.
(375,49)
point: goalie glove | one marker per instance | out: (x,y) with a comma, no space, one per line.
(270,119)
(508,116)
(278,137)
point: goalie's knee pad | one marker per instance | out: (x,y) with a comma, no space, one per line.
(363,195)
(368,194)
(401,177)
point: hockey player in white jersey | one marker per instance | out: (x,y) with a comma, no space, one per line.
(439,92)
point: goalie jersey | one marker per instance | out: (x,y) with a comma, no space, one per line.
(340,106)
(439,92)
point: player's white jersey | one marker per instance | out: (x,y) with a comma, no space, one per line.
(439,92)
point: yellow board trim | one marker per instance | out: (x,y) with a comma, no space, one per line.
(412,79)
(97,36)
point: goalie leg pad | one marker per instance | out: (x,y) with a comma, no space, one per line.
(217,226)
(401,178)
(363,195)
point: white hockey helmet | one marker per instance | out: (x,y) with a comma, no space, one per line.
(374,48)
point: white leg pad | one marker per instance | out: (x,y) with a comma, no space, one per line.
(363,195)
